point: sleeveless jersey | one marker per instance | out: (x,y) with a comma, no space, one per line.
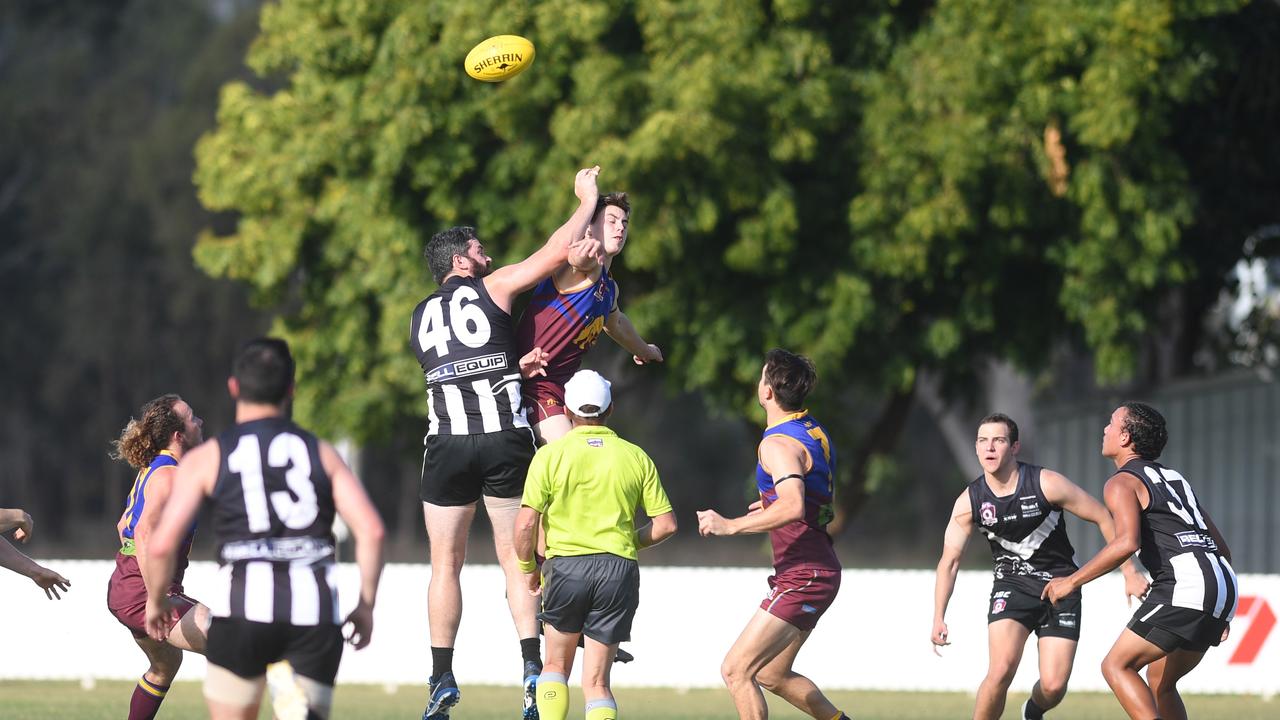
(272,521)
(804,543)
(1028,535)
(565,323)
(466,346)
(1186,569)
(137,500)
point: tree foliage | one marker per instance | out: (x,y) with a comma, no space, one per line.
(100,104)
(889,187)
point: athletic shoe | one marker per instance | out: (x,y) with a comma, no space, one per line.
(288,699)
(444,695)
(1025,715)
(531,672)
(623,656)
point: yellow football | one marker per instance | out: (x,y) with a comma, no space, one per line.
(499,58)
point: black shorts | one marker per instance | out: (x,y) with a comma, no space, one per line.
(596,595)
(1173,628)
(1014,602)
(246,648)
(457,469)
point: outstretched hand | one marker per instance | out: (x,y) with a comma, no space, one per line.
(652,354)
(51,582)
(711,522)
(534,363)
(584,183)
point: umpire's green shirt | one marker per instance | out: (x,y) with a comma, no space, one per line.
(588,485)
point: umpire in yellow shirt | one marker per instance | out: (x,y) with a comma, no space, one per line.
(585,489)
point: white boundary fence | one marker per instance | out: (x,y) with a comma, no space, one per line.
(875,636)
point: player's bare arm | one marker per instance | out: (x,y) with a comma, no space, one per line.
(1125,496)
(156,494)
(954,540)
(357,511)
(526,533)
(192,482)
(618,326)
(659,528)
(17,520)
(786,461)
(507,282)
(1071,497)
(11,558)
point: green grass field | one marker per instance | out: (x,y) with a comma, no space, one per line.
(109,701)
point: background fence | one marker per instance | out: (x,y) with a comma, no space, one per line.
(875,636)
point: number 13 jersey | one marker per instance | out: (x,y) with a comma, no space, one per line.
(465,344)
(273,523)
(1186,569)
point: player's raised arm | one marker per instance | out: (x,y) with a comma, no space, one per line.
(1125,495)
(505,283)
(356,510)
(954,541)
(1071,497)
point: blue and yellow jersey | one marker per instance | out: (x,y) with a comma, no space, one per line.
(137,500)
(804,543)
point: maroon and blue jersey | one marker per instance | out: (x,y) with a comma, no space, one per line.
(565,323)
(804,543)
(137,500)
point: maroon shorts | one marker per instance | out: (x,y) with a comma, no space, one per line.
(127,596)
(801,596)
(543,398)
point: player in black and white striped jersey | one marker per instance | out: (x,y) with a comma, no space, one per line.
(1020,508)
(478,442)
(1193,592)
(275,489)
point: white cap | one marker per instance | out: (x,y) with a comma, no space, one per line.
(587,387)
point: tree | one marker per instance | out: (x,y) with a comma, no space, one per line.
(894,189)
(100,105)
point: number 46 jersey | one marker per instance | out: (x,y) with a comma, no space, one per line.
(1186,568)
(466,346)
(273,523)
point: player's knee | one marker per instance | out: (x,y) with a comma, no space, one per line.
(1053,689)
(1000,674)
(732,673)
(1112,670)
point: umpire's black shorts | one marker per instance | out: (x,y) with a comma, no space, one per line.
(458,469)
(596,595)
(246,648)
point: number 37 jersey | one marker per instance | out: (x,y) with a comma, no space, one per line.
(1186,567)
(273,523)
(465,344)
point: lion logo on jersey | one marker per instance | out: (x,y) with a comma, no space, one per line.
(988,513)
(587,337)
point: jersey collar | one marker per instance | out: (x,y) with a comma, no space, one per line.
(788,418)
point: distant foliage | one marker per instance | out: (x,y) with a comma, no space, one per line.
(889,187)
